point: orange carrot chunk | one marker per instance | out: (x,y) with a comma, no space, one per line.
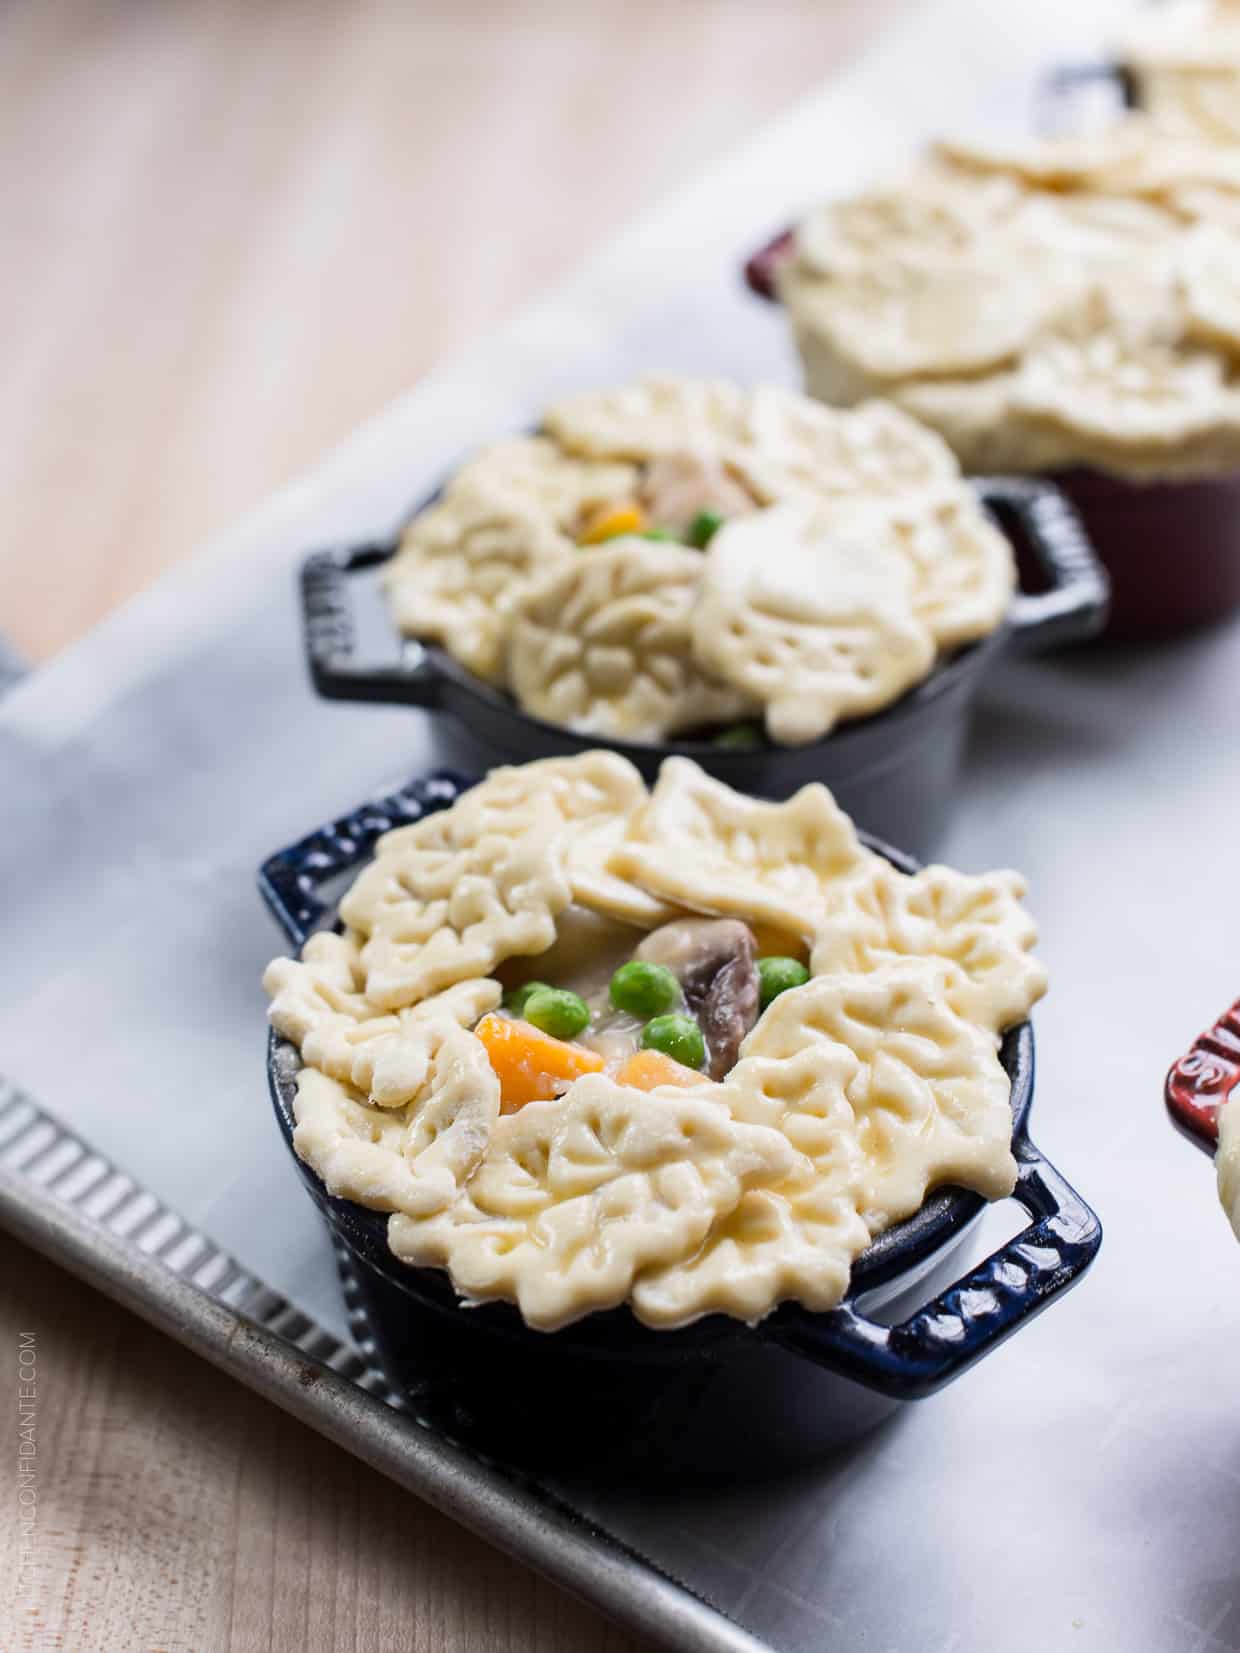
(645,1070)
(608,522)
(532,1066)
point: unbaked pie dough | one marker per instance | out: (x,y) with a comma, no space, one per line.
(845,556)
(1227,1161)
(849,1097)
(1043,303)
(1185,57)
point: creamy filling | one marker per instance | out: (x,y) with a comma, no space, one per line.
(614,1034)
(712,961)
(588,949)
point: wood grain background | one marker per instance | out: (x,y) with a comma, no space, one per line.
(231,231)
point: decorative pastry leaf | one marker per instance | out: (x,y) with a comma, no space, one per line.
(1210,271)
(962,568)
(387,1058)
(452,896)
(806,611)
(650,417)
(702,846)
(975,924)
(507,515)
(577,1198)
(411,1159)
(602,645)
(1137,399)
(1102,158)
(929,1099)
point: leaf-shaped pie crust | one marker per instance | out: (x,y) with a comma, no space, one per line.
(601,890)
(510,513)
(887,1092)
(1210,270)
(1140,407)
(929,1098)
(701,845)
(1186,61)
(928,221)
(450,897)
(961,564)
(386,1057)
(806,612)
(327,984)
(438,912)
(649,417)
(800,450)
(1192,34)
(1195,103)
(1138,401)
(1101,232)
(795,1239)
(780,443)
(1102,158)
(411,1159)
(886,324)
(975,924)
(602,645)
(575,1199)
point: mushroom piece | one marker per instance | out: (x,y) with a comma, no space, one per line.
(714,961)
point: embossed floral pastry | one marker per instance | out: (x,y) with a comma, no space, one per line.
(1044,304)
(1185,60)
(591,1044)
(677,556)
(1228,1162)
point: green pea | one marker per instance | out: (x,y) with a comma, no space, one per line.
(703,529)
(676,1036)
(517,999)
(741,737)
(644,989)
(557,1011)
(776,975)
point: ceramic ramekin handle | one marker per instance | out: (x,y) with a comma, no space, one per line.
(1063,86)
(1075,604)
(293,881)
(330,635)
(974,1315)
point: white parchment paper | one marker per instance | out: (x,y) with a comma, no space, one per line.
(1081,1489)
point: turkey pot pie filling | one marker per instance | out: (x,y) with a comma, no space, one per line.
(678,556)
(590,1043)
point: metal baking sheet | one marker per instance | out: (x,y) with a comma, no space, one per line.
(59,1195)
(1077,1489)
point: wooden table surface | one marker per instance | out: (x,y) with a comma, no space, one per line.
(232,231)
